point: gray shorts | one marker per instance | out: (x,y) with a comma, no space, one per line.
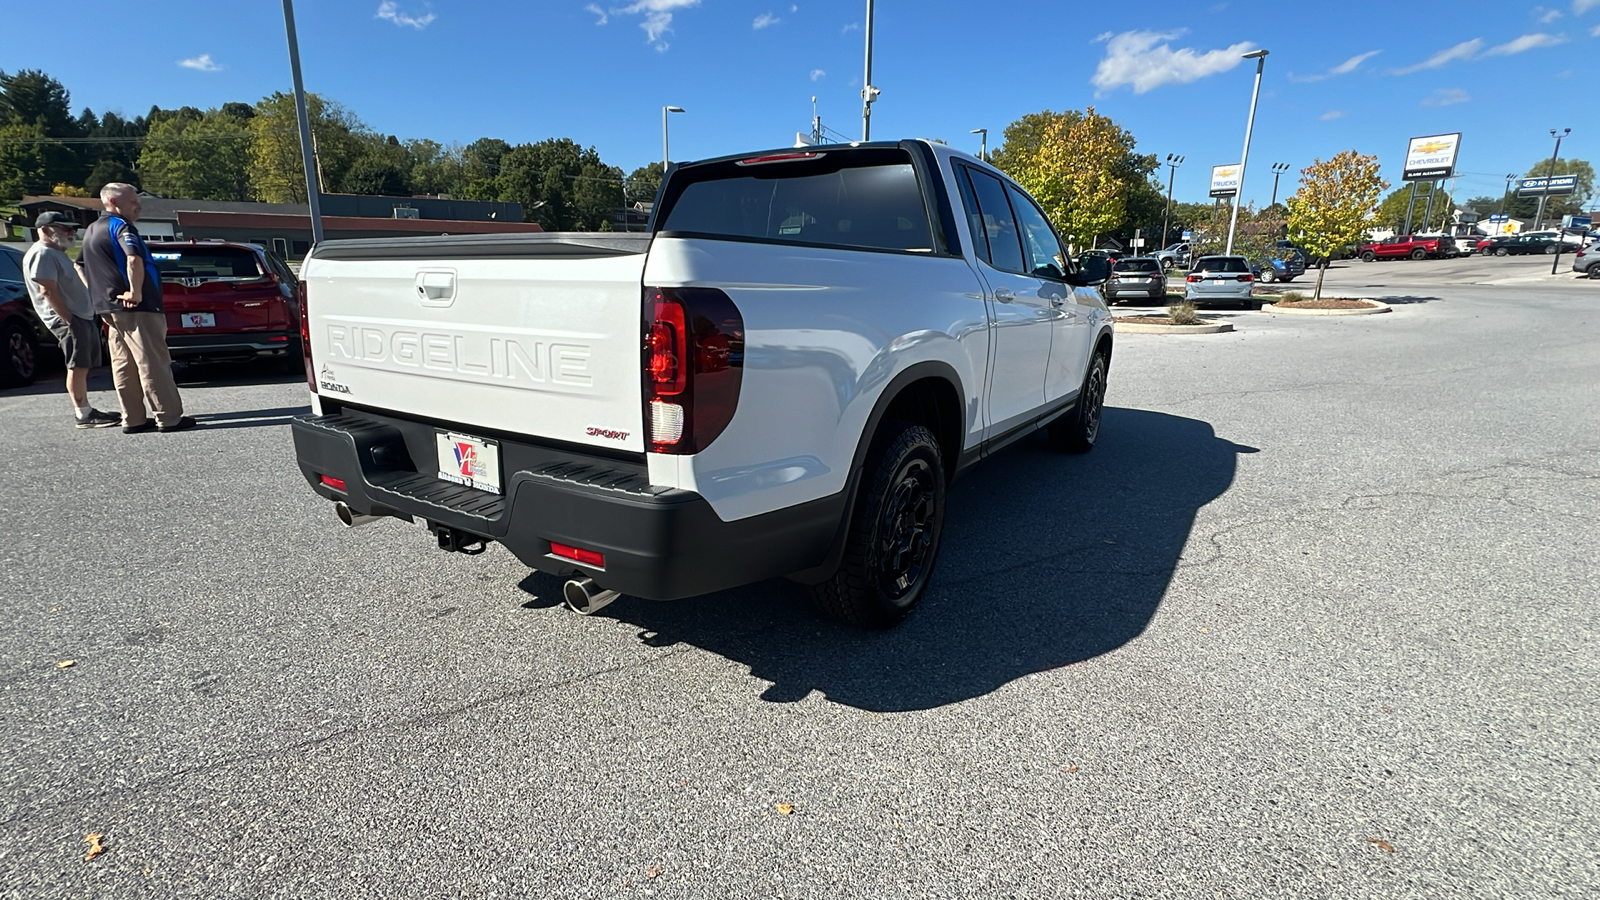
(80,342)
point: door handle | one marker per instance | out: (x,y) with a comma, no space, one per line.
(1004,295)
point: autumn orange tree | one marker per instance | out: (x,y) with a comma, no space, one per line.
(1070,163)
(1336,204)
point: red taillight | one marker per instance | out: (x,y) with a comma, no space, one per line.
(693,366)
(578,554)
(335,483)
(1244,278)
(305,338)
(1193,278)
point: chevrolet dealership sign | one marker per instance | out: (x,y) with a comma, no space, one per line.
(1224,180)
(1431,157)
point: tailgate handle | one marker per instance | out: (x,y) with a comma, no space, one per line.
(436,288)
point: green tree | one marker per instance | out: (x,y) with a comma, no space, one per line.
(1070,164)
(435,169)
(197,156)
(277,174)
(480,168)
(1526,208)
(1392,211)
(1142,198)
(22,169)
(1336,204)
(643,183)
(561,185)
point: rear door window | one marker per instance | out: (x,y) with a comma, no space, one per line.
(200,264)
(866,199)
(999,225)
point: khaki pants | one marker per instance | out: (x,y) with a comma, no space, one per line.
(141,368)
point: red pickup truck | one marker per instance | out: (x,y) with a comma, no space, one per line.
(1411,246)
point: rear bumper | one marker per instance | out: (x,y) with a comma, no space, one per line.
(247,345)
(1151,291)
(658,543)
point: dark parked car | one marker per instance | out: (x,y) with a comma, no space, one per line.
(228,301)
(21,332)
(1137,278)
(1521,244)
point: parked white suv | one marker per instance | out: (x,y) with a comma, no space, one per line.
(781,378)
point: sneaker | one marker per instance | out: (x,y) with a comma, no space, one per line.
(141,428)
(98,419)
(182,424)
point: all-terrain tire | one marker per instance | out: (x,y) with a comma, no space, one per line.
(895,526)
(19,355)
(1077,431)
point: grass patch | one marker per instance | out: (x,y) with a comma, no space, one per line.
(1182,314)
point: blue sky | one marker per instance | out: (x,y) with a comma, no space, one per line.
(1356,75)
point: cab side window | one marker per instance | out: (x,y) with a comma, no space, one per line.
(998,223)
(1044,256)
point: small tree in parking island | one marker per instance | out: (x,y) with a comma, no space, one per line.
(1336,204)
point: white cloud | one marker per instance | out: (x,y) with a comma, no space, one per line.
(1145,61)
(818,74)
(390,10)
(1595,32)
(794,8)
(1546,16)
(1579,7)
(1525,43)
(853,26)
(657,18)
(764,20)
(1447,97)
(1332,114)
(1463,50)
(600,14)
(1344,68)
(201,63)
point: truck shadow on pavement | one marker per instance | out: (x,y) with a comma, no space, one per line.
(1047,560)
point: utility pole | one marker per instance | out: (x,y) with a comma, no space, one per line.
(1538,219)
(307,155)
(1260,56)
(1173,162)
(1505,200)
(868,92)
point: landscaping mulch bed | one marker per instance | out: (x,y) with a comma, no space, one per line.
(1157,320)
(1328,303)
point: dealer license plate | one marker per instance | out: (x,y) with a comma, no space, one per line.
(469,460)
(198,320)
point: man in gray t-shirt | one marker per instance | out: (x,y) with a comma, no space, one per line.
(62,302)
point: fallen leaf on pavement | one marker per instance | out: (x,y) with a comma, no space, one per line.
(652,871)
(1070,769)
(1383,845)
(95,847)
(66,664)
(785,809)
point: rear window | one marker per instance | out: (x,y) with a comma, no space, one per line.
(867,199)
(206,263)
(1136,265)
(1222,264)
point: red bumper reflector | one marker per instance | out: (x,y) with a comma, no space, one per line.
(577,554)
(335,483)
(278,339)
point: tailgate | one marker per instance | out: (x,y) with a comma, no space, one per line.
(536,335)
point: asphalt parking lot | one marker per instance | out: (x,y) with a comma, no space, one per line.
(1317,618)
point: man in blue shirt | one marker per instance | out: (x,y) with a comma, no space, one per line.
(125,287)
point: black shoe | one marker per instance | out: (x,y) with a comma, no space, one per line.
(141,428)
(182,424)
(98,419)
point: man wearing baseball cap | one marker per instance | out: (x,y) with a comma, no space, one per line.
(62,302)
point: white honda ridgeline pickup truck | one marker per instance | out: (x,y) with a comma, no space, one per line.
(780,378)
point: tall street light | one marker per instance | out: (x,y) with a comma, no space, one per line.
(1538,219)
(664,155)
(307,155)
(1173,162)
(983,153)
(1277,172)
(868,92)
(1260,56)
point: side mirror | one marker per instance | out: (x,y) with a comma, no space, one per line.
(1093,270)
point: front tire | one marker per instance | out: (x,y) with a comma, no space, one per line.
(1077,431)
(894,531)
(1550,250)
(1268,276)
(1419,254)
(1501,251)
(1368,256)
(19,355)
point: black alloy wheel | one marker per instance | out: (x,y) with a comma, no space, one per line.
(1419,253)
(19,357)
(1550,250)
(1077,431)
(905,529)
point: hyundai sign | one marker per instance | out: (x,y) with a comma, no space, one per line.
(1544,187)
(1431,157)
(1224,181)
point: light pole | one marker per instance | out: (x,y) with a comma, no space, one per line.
(983,153)
(1173,162)
(1277,172)
(1538,219)
(313,189)
(1505,200)
(664,155)
(868,92)
(1260,56)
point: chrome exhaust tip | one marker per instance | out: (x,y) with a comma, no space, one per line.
(350,517)
(584,597)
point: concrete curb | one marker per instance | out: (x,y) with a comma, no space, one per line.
(1142,328)
(1371,311)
